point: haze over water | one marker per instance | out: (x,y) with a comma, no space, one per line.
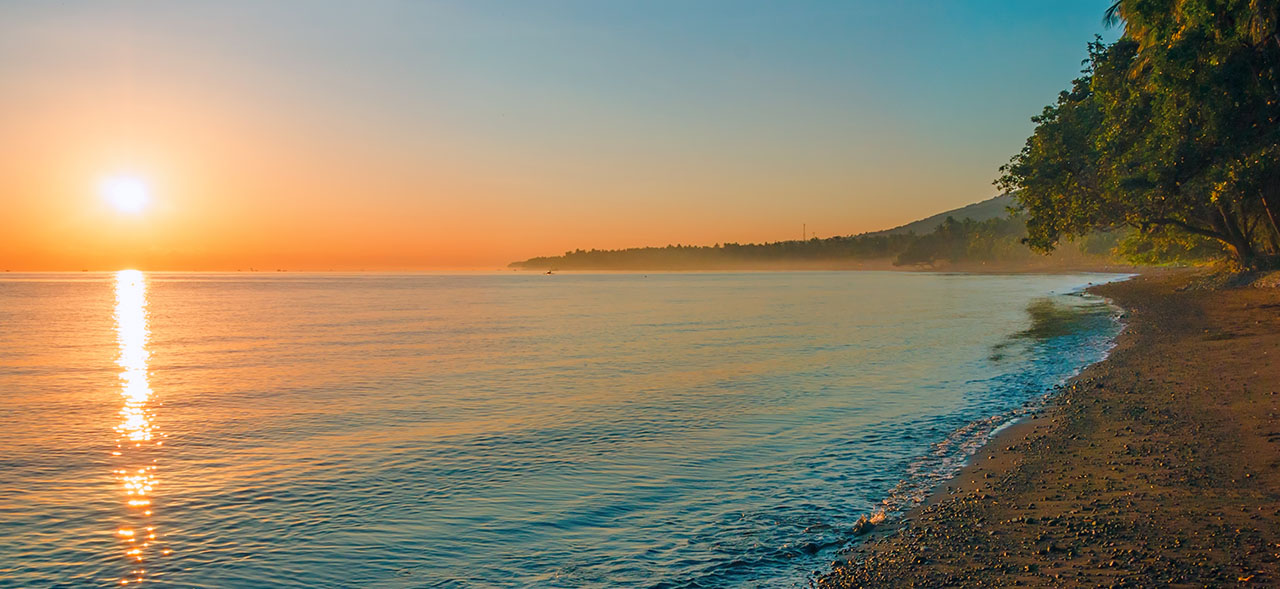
(692,430)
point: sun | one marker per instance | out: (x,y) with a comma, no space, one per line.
(127,194)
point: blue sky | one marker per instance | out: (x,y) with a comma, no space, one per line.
(544,125)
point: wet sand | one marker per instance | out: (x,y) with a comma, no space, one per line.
(1159,467)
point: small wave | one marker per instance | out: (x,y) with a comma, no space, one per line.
(946,458)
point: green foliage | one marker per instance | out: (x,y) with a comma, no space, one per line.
(1176,126)
(685,257)
(1167,247)
(964,241)
(1101,243)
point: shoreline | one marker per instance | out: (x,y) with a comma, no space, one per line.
(890,519)
(1131,475)
(852,266)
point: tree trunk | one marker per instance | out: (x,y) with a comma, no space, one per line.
(1238,240)
(1275,230)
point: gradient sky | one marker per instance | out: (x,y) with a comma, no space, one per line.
(447,135)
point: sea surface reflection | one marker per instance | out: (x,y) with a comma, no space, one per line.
(326,430)
(136,453)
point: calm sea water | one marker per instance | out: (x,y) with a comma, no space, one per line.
(717,430)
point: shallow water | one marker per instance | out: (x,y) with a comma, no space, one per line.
(689,430)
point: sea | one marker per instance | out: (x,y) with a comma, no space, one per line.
(500,430)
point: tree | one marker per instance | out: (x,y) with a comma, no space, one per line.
(1175,125)
(1151,23)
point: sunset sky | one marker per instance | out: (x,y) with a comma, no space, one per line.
(316,135)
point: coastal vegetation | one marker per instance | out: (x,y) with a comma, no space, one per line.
(865,247)
(1173,131)
(954,243)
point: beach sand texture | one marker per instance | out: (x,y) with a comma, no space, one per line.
(1159,467)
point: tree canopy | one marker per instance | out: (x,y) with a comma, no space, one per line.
(1176,126)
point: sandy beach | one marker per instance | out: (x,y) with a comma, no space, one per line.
(1158,467)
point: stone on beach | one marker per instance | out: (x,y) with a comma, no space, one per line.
(1158,467)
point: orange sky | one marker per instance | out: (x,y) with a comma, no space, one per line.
(432,135)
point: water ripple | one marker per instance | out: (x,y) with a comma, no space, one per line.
(721,430)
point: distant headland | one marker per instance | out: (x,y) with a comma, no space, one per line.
(985,236)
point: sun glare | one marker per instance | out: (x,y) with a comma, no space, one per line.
(126,194)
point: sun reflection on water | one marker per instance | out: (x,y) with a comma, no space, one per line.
(137,440)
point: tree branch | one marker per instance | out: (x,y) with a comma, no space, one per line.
(1188,227)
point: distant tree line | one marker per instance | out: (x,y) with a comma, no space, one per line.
(855,247)
(963,242)
(966,240)
(1172,131)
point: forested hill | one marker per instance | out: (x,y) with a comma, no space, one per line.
(981,234)
(991,208)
